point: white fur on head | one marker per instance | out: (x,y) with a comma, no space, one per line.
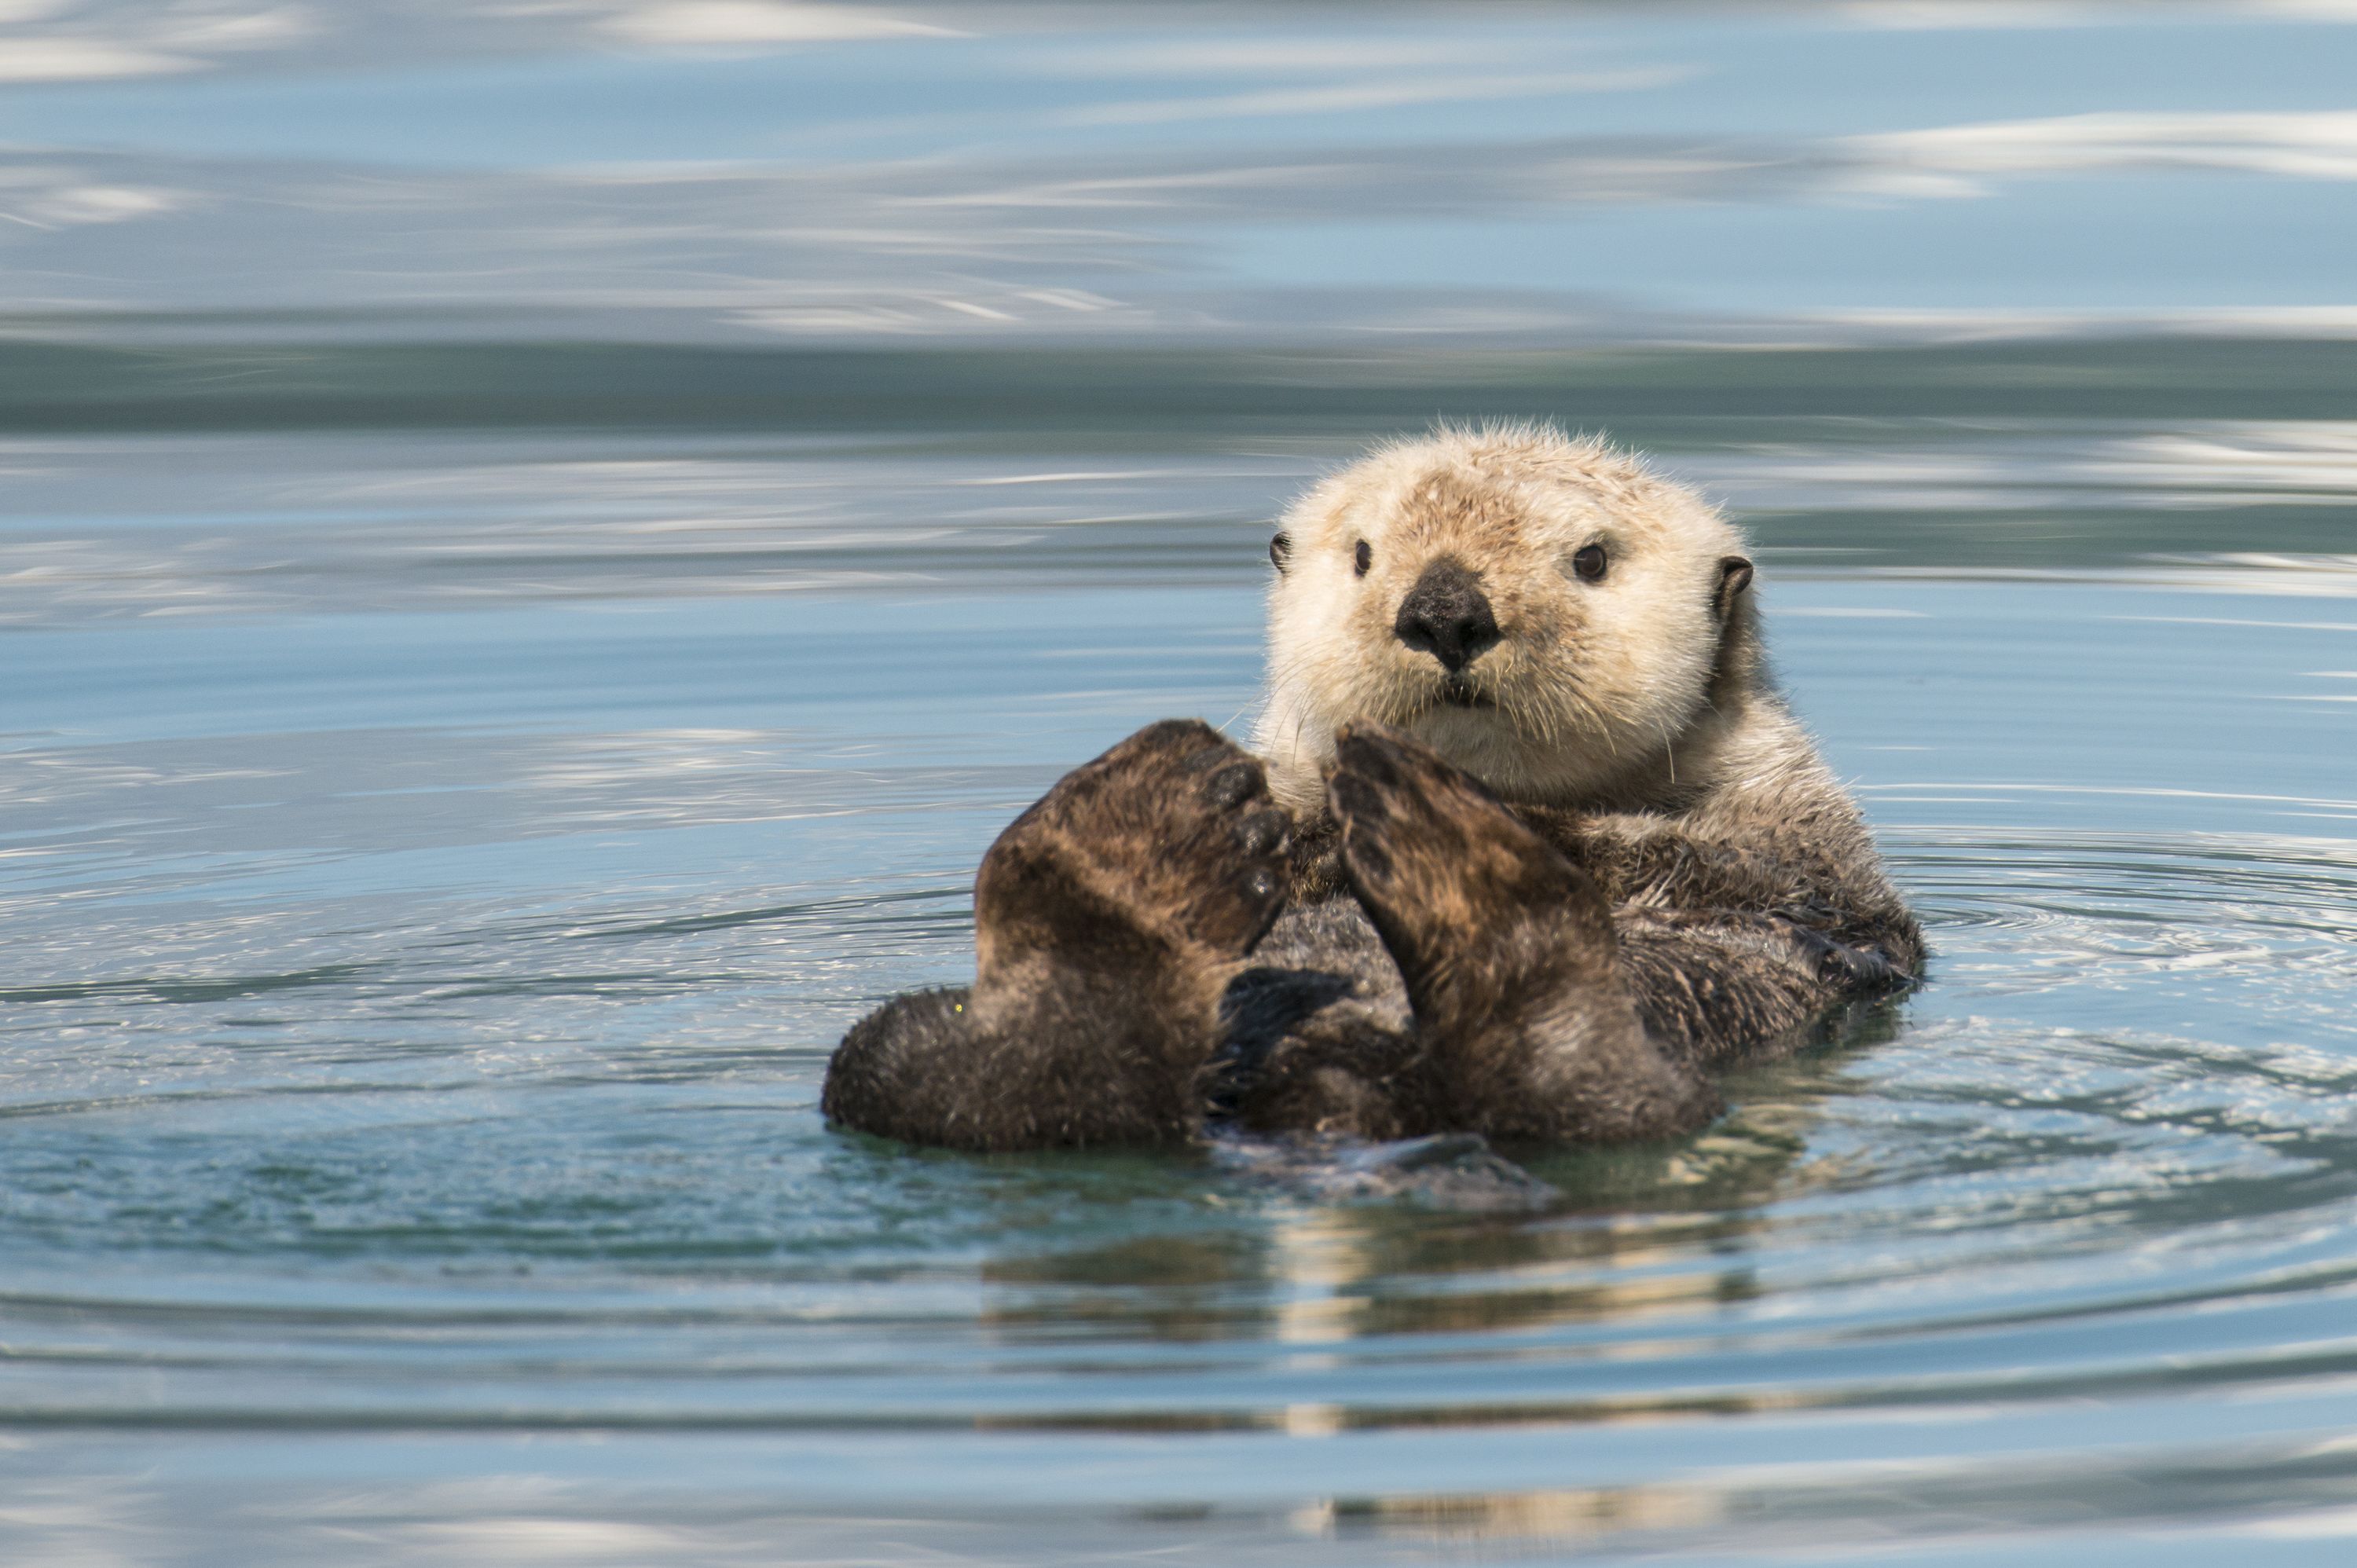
(1593,686)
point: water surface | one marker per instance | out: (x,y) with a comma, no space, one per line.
(513,648)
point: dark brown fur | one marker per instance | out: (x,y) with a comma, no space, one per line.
(1109,917)
(1475,977)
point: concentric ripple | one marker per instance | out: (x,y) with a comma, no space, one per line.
(412,1020)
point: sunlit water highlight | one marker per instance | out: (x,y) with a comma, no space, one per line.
(429,920)
(542,541)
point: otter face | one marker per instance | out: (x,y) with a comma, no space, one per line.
(1543,612)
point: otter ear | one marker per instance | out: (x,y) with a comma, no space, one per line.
(1280,551)
(1734,577)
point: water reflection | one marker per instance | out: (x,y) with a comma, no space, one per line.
(849,172)
(542,541)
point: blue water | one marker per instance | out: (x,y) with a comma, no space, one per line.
(539,548)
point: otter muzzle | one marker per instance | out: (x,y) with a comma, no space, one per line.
(1446,616)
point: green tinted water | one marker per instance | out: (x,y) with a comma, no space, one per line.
(438,867)
(509,654)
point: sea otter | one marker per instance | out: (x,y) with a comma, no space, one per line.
(1529,846)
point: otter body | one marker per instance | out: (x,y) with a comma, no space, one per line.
(1530,847)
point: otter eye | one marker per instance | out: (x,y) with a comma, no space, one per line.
(1588,562)
(1361,558)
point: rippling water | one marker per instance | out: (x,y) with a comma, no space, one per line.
(509,654)
(437,869)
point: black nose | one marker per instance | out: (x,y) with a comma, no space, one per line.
(1446,616)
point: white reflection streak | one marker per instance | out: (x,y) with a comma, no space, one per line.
(2337,847)
(1951,15)
(1942,161)
(38,197)
(82,60)
(135,42)
(724,22)
(1261,55)
(2207,464)
(2228,620)
(2317,458)
(1350,96)
(2293,577)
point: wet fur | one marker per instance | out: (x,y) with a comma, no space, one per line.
(1539,898)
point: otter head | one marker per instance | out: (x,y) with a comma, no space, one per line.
(1545,612)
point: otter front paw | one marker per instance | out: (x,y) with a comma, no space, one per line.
(1166,847)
